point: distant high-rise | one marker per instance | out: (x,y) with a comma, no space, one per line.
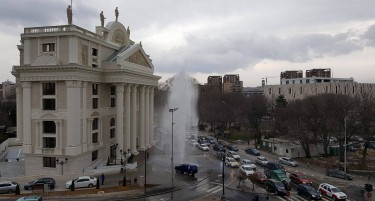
(215,83)
(232,83)
(321,72)
(291,74)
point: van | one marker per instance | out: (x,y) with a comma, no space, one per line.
(188,169)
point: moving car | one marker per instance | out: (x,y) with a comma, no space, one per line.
(82,182)
(299,178)
(218,147)
(331,191)
(232,147)
(247,170)
(41,181)
(188,169)
(308,192)
(274,166)
(229,161)
(276,187)
(203,147)
(288,161)
(252,151)
(339,174)
(234,155)
(31,198)
(248,162)
(8,187)
(278,175)
(261,160)
(258,177)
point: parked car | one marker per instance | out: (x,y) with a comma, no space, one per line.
(229,161)
(332,192)
(247,170)
(203,147)
(308,192)
(261,160)
(188,169)
(194,143)
(258,177)
(81,182)
(339,174)
(288,161)
(352,148)
(220,155)
(232,147)
(249,162)
(299,178)
(218,147)
(234,155)
(8,187)
(274,166)
(276,187)
(356,138)
(369,145)
(252,151)
(278,175)
(31,198)
(41,181)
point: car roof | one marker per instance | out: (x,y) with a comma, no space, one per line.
(329,185)
(247,166)
(6,182)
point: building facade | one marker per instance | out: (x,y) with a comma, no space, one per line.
(215,83)
(320,72)
(232,83)
(82,97)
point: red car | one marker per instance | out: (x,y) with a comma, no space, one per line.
(299,178)
(258,177)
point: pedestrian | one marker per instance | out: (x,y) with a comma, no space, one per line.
(248,142)
(102,177)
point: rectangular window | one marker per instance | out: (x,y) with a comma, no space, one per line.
(95,89)
(95,138)
(94,65)
(48,47)
(49,142)
(112,133)
(49,162)
(94,52)
(279,90)
(307,81)
(49,104)
(95,103)
(113,90)
(49,88)
(113,102)
(94,155)
(300,81)
(95,124)
(287,82)
(49,127)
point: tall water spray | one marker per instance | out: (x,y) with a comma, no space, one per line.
(183,95)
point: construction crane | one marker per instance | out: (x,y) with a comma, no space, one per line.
(264,79)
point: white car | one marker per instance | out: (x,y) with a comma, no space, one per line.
(234,155)
(249,163)
(194,143)
(247,170)
(229,161)
(288,161)
(331,191)
(82,182)
(261,160)
(203,147)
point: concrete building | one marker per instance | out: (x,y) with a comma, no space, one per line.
(82,97)
(321,72)
(291,74)
(248,91)
(7,89)
(232,83)
(215,83)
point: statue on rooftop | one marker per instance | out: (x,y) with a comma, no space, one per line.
(128,31)
(116,13)
(69,14)
(102,18)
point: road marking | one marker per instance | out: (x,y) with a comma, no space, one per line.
(215,188)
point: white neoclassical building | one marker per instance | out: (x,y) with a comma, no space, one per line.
(83,97)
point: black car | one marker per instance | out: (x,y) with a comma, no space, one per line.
(252,151)
(339,174)
(41,181)
(218,147)
(274,166)
(232,147)
(220,155)
(308,192)
(276,187)
(222,143)
(189,169)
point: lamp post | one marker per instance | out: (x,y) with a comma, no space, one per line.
(145,171)
(345,118)
(62,162)
(172,110)
(223,174)
(125,162)
(116,145)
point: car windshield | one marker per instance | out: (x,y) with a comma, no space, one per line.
(231,160)
(263,159)
(246,168)
(302,176)
(247,162)
(281,175)
(335,190)
(279,184)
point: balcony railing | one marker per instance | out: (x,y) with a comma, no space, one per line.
(62,28)
(48,150)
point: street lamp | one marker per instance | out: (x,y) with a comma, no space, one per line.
(345,118)
(223,174)
(62,162)
(116,145)
(172,110)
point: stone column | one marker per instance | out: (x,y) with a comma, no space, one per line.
(147,117)
(19,98)
(127,113)
(133,145)
(151,124)
(119,118)
(141,139)
(39,135)
(26,116)
(85,131)
(73,134)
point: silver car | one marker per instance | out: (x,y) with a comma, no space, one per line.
(288,161)
(8,187)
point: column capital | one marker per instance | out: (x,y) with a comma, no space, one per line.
(26,84)
(142,88)
(73,83)
(120,87)
(134,88)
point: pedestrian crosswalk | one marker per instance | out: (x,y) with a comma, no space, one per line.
(296,197)
(207,187)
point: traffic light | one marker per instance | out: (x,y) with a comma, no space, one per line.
(368,187)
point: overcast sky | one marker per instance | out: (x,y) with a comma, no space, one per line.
(254,39)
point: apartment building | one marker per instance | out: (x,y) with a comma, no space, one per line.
(232,83)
